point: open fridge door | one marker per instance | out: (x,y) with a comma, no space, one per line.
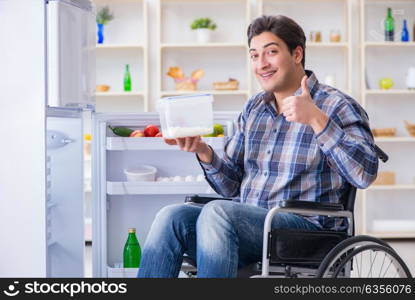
(71,53)
(65,193)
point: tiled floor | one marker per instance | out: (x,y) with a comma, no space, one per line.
(405,249)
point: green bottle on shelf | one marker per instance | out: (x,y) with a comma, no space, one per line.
(389,26)
(127,79)
(132,250)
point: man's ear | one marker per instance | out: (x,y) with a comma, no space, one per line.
(298,54)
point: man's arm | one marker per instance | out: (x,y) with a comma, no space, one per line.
(344,137)
(225,174)
(348,143)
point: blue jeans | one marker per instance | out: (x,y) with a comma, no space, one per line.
(220,237)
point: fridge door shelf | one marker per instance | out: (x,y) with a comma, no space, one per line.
(121,272)
(157,188)
(148,143)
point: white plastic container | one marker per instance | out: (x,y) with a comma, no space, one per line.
(141,173)
(183,116)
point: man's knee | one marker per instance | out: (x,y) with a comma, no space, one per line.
(172,213)
(216,211)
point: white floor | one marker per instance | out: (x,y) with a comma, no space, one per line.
(405,249)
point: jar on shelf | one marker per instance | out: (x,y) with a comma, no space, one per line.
(335,36)
(315,36)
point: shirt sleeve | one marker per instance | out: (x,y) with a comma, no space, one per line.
(348,143)
(225,174)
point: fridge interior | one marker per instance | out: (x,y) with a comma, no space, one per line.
(119,204)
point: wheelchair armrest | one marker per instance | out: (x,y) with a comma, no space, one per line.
(312,205)
(202,200)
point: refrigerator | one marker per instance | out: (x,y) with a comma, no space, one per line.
(48,86)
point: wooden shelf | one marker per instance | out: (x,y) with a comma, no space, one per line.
(392,187)
(394,139)
(391,235)
(119,94)
(119,46)
(207,45)
(213,92)
(389,44)
(389,92)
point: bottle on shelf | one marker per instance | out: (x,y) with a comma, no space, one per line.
(132,250)
(389,26)
(413,33)
(405,32)
(127,79)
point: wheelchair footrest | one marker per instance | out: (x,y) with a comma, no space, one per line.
(305,247)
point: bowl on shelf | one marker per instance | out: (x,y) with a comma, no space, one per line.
(411,128)
(102,88)
(231,84)
(140,173)
(384,132)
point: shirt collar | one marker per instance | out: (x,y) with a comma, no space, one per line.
(312,84)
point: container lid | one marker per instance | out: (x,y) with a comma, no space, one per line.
(131,230)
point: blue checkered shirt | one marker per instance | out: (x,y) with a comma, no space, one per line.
(269,159)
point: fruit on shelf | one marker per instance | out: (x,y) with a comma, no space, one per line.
(218,131)
(137,133)
(151,131)
(386,83)
(121,131)
(159,135)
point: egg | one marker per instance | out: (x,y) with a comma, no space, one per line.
(189,178)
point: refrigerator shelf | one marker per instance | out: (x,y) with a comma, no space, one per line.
(121,272)
(148,143)
(157,188)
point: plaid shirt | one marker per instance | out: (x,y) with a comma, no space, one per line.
(269,159)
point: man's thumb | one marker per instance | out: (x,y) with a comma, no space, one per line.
(304,85)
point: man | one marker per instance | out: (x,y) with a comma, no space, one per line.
(298,139)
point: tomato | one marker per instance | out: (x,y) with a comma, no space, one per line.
(151,131)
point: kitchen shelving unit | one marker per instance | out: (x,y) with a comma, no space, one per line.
(390,204)
(226,56)
(125,42)
(325,57)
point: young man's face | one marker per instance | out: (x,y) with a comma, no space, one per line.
(272,62)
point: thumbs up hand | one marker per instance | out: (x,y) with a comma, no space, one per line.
(302,109)
(299,108)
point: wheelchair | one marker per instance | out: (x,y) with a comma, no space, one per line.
(320,254)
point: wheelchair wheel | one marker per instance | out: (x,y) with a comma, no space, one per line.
(363,257)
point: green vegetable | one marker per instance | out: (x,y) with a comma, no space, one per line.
(217,129)
(104,15)
(121,131)
(203,23)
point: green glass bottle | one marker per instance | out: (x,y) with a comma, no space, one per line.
(127,79)
(389,26)
(132,250)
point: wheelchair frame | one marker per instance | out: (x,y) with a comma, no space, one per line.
(346,247)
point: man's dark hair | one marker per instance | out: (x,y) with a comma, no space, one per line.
(283,27)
